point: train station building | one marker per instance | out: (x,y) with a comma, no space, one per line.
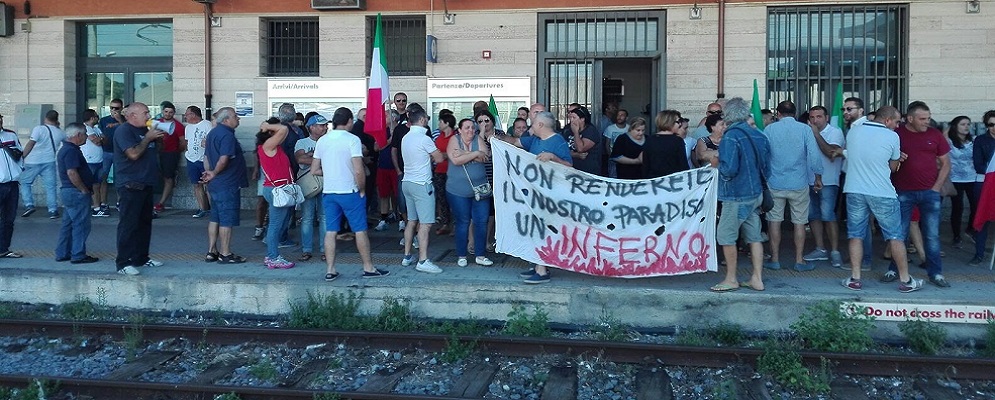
(644,55)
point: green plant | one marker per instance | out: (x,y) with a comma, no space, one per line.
(521,323)
(990,339)
(469,327)
(326,396)
(456,349)
(80,309)
(227,396)
(7,311)
(826,327)
(327,312)
(263,369)
(394,316)
(925,337)
(133,336)
(610,328)
(728,334)
(37,389)
(785,367)
(726,390)
(693,337)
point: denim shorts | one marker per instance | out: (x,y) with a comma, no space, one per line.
(859,208)
(194,170)
(225,206)
(739,217)
(822,205)
(350,205)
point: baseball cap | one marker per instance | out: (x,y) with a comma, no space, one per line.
(317,120)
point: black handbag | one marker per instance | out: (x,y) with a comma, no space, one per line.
(767,203)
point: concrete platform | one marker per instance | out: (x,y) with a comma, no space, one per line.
(187,283)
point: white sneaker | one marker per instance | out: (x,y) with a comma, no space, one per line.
(483,261)
(408,260)
(461,262)
(382,226)
(401,225)
(414,243)
(428,266)
(153,263)
(129,270)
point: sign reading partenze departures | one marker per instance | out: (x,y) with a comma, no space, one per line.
(561,217)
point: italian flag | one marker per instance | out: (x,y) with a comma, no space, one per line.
(379,90)
(492,108)
(986,204)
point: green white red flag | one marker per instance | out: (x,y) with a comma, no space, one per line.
(379,90)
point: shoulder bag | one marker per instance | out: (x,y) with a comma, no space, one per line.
(287,195)
(767,203)
(479,191)
(311,185)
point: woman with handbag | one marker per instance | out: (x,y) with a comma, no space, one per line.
(468,191)
(275,167)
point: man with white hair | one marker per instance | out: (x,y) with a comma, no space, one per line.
(77,187)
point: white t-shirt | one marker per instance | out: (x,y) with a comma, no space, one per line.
(336,149)
(416,149)
(44,150)
(195,135)
(307,144)
(92,152)
(869,149)
(612,132)
(830,168)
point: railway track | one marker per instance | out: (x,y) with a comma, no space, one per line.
(651,381)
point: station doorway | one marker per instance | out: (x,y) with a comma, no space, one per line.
(600,57)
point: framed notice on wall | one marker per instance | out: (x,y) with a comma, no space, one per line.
(338,4)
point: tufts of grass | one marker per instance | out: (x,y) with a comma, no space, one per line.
(327,312)
(785,366)
(924,337)
(825,326)
(610,328)
(394,316)
(521,323)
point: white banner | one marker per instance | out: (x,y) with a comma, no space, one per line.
(558,216)
(954,313)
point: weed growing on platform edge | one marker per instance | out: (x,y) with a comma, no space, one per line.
(395,316)
(327,312)
(826,327)
(924,337)
(468,327)
(728,334)
(610,328)
(133,336)
(990,339)
(7,311)
(785,367)
(80,309)
(520,323)
(456,349)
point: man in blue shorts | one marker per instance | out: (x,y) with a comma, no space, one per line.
(224,175)
(873,154)
(547,146)
(338,159)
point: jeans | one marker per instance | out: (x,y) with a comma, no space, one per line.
(311,209)
(981,236)
(278,218)
(8,210)
(75,225)
(49,179)
(466,209)
(929,222)
(134,229)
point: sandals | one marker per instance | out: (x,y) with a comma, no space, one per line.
(212,257)
(323,258)
(305,257)
(331,277)
(346,236)
(11,254)
(231,259)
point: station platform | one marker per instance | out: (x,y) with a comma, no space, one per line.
(187,283)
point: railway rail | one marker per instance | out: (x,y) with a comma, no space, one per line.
(561,385)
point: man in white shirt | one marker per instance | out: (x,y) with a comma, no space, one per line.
(39,159)
(10,172)
(822,204)
(612,132)
(196,136)
(338,159)
(419,152)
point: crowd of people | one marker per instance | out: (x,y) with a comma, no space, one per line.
(886,169)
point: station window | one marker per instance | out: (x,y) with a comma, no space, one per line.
(291,47)
(404,44)
(811,49)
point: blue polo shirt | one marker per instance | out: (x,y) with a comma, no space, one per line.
(145,169)
(71,157)
(555,144)
(221,142)
(108,143)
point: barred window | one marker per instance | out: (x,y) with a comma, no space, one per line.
(810,49)
(404,44)
(291,47)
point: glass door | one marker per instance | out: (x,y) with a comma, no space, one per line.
(152,88)
(101,88)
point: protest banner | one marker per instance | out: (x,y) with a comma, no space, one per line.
(558,216)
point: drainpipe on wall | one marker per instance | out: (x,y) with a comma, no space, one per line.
(208,109)
(720,87)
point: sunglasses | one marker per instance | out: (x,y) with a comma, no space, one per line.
(849,109)
(990,125)
(401,101)
(483,121)
(715,112)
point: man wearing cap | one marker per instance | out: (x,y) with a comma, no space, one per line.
(224,175)
(311,209)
